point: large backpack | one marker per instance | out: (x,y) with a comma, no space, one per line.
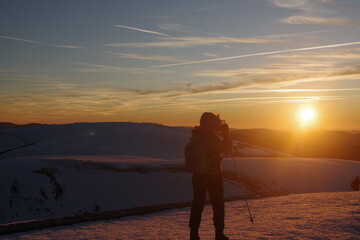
(355,184)
(196,157)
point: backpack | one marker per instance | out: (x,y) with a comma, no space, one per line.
(196,157)
(355,184)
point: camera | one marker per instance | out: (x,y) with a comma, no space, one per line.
(224,127)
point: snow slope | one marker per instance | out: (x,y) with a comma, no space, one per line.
(301,175)
(48,187)
(104,139)
(76,168)
(133,139)
(297,216)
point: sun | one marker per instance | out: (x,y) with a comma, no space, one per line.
(307,114)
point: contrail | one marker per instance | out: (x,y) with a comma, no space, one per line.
(40,43)
(142,30)
(259,54)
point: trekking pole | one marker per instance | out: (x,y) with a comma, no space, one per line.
(246,202)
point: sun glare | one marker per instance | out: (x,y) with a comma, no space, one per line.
(306,117)
(307,114)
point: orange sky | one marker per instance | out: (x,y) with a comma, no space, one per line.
(254,62)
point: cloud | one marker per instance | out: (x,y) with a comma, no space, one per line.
(30,78)
(297,4)
(68,104)
(216,40)
(260,54)
(41,43)
(325,56)
(193,103)
(260,99)
(319,21)
(294,90)
(213,8)
(6,70)
(171,26)
(96,68)
(309,6)
(210,55)
(292,35)
(66,100)
(170,18)
(142,30)
(179,42)
(290,74)
(141,57)
(261,77)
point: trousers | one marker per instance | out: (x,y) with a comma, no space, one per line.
(214,185)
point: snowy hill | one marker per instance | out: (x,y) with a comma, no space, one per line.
(66,170)
(134,139)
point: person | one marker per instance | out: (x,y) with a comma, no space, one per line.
(210,179)
(355,183)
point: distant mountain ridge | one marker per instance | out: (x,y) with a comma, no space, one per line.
(324,144)
(9,125)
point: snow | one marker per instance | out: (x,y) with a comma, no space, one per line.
(301,175)
(86,183)
(132,139)
(333,215)
(75,168)
(94,167)
(105,139)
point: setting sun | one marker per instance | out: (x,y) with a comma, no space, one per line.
(307,114)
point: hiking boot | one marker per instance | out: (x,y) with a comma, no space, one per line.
(194,234)
(221,236)
(194,237)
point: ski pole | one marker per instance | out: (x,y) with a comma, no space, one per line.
(246,202)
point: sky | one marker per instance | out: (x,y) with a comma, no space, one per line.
(255,62)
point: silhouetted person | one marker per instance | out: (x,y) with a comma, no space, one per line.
(208,176)
(355,183)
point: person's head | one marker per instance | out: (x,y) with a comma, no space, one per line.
(210,121)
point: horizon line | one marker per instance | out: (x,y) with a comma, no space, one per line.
(167,125)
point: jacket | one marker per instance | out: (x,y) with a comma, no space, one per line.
(212,147)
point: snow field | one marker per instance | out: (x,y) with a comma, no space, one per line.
(94,167)
(297,216)
(104,183)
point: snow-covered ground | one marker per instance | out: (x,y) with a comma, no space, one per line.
(94,167)
(75,168)
(48,187)
(297,216)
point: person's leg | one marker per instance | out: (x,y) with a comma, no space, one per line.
(216,192)
(198,203)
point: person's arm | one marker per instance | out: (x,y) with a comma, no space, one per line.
(227,141)
(223,145)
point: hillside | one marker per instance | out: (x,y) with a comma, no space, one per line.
(72,169)
(65,170)
(324,144)
(134,139)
